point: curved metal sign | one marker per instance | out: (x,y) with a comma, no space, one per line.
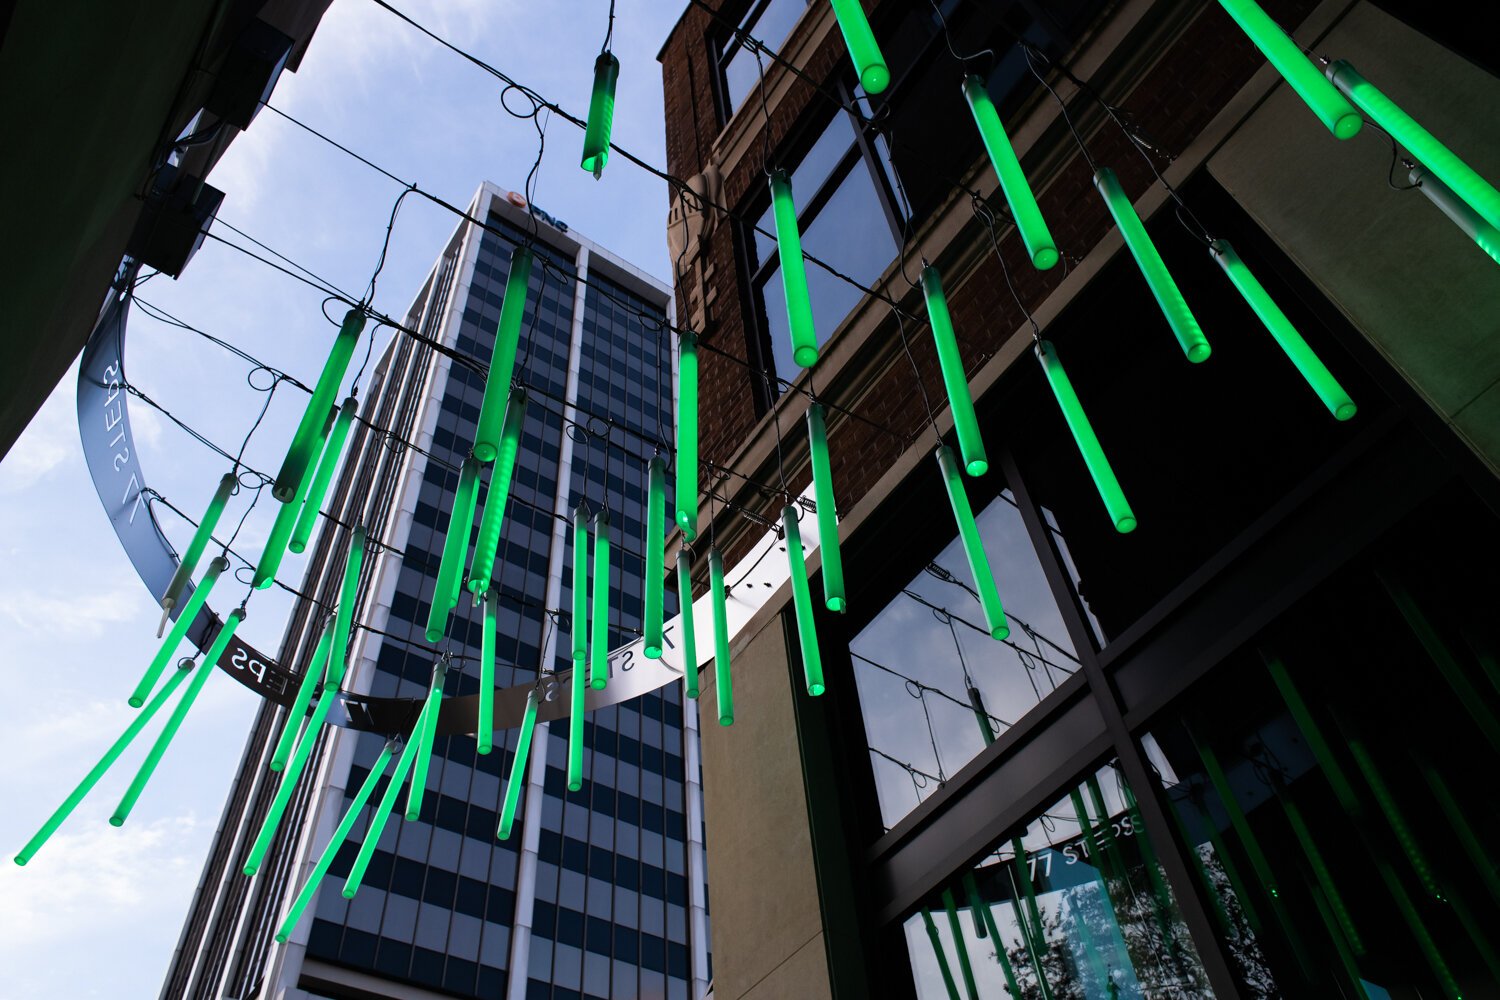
(110,452)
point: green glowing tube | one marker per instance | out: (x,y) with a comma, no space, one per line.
(1479,854)
(503,359)
(1397,820)
(190,610)
(189,563)
(486,735)
(294,469)
(983,909)
(1346,957)
(601,114)
(482,569)
(685,499)
(1343,789)
(1464,181)
(1458,211)
(1418,928)
(1031,921)
(955,381)
(1173,306)
(807,628)
(981,716)
(828,518)
(518,768)
(1088,443)
(1344,922)
(1237,820)
(964,966)
(423,754)
(289,778)
(110,756)
(1296,68)
(1308,363)
(179,713)
(1023,206)
(723,683)
(333,449)
(343,618)
(285,523)
(793,272)
(331,849)
(655,543)
(942,956)
(316,671)
(688,628)
(575,725)
(979,560)
(381,815)
(580,585)
(455,550)
(599,623)
(864,51)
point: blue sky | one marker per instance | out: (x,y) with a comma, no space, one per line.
(76,623)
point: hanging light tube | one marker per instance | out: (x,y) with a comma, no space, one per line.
(518,768)
(503,359)
(1088,443)
(601,114)
(1251,843)
(799,315)
(1300,73)
(828,518)
(864,51)
(983,909)
(723,683)
(599,624)
(179,629)
(1394,816)
(381,814)
(1314,372)
(1478,193)
(685,499)
(286,522)
(343,616)
(807,628)
(1018,194)
(111,755)
(199,542)
(965,968)
(424,745)
(482,569)
(289,778)
(687,628)
(489,601)
(1458,211)
(655,543)
(955,380)
(575,724)
(580,585)
(1168,296)
(1324,878)
(455,550)
(179,713)
(333,449)
(340,835)
(316,671)
(968,532)
(294,468)
(1418,927)
(940,954)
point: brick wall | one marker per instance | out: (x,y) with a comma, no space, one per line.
(1206,65)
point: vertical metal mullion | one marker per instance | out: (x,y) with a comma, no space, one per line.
(871,157)
(1196,912)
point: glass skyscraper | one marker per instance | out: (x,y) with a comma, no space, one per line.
(597,893)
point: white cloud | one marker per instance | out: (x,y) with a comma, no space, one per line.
(48,441)
(84,613)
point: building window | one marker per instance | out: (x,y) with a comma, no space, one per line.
(861,185)
(1074,905)
(769,22)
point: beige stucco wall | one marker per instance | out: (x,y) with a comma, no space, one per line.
(1419,289)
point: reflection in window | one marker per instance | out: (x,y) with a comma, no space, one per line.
(1075,906)
(934,688)
(1341,821)
(768,21)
